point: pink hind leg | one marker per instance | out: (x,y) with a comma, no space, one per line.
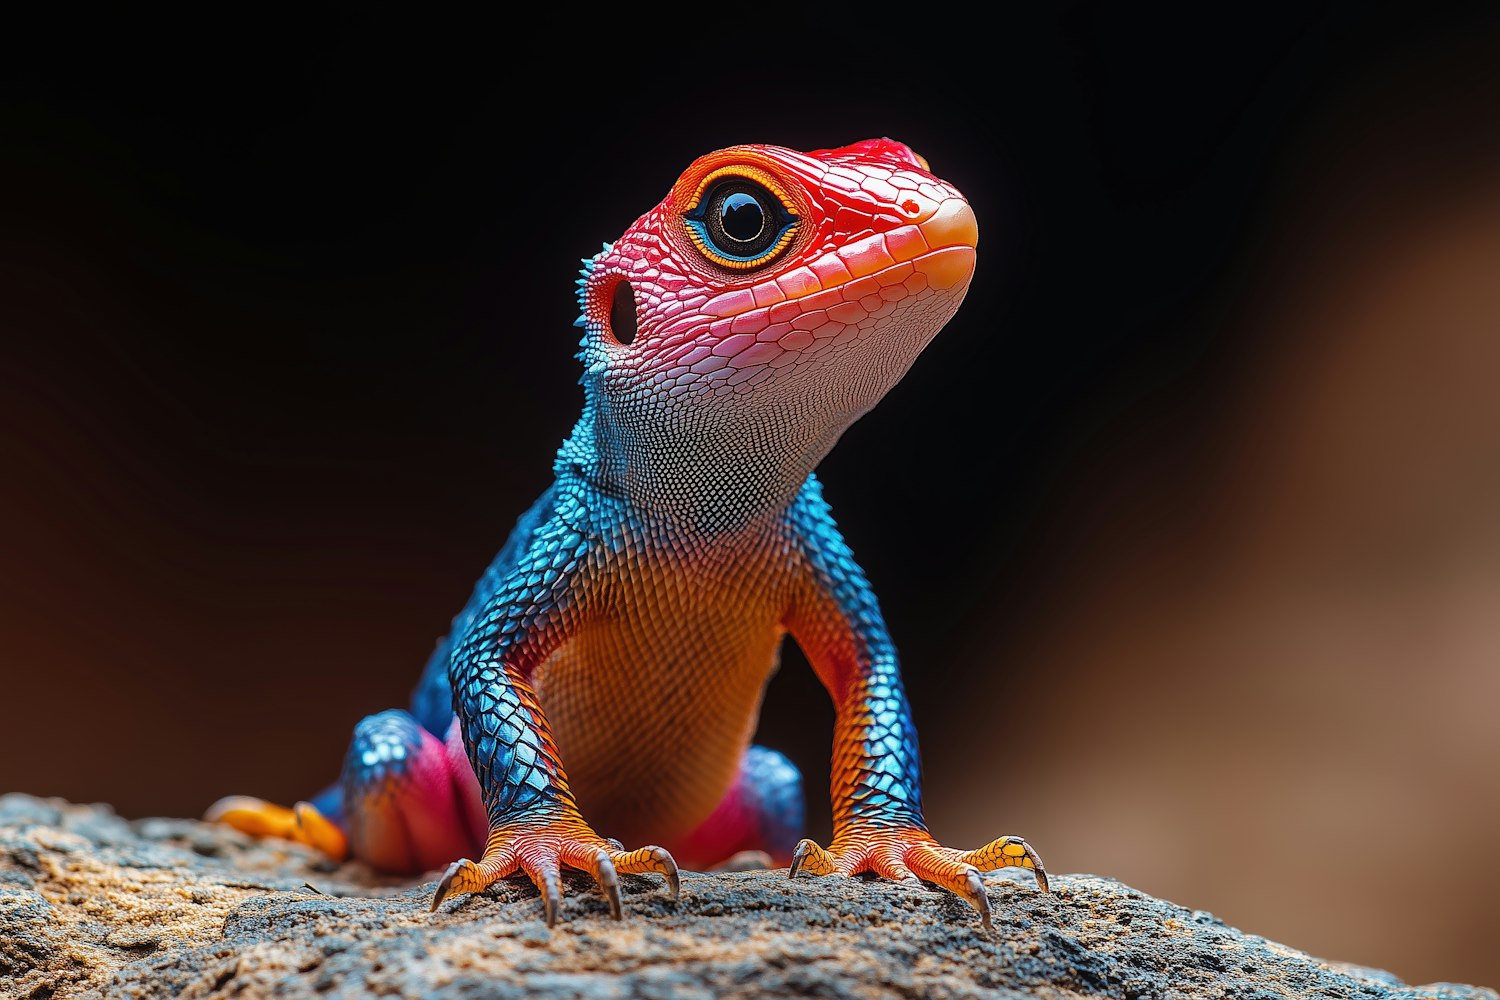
(409,800)
(762,811)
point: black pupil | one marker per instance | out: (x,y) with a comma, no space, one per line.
(743,221)
(742,216)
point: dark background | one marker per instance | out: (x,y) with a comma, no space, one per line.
(285,306)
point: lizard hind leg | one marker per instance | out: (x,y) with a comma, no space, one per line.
(410,803)
(404,803)
(763,811)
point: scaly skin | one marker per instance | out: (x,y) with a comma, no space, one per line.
(607,673)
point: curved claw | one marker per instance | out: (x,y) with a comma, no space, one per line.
(609,883)
(551,886)
(674,882)
(541,858)
(808,856)
(973,892)
(1037,868)
(651,859)
(459,875)
(1007,852)
(902,853)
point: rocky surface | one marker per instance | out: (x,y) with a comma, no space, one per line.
(94,906)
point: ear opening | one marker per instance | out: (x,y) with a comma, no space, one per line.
(622,316)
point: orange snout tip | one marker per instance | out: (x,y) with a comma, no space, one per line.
(953,234)
(947,268)
(952,225)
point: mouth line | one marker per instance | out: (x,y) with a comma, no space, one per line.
(944,267)
(836,293)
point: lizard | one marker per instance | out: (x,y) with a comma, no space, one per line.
(608,670)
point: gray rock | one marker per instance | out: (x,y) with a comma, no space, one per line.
(177,908)
(28,810)
(27,933)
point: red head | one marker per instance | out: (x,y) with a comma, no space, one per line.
(769,300)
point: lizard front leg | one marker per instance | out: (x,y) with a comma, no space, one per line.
(876,774)
(535,825)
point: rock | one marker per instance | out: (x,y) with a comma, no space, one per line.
(94,906)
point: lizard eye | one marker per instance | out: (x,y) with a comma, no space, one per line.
(738,222)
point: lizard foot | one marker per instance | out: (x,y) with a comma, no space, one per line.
(302,823)
(540,848)
(899,853)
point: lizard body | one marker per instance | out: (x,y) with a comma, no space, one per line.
(605,678)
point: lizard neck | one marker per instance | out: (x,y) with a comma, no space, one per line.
(691,466)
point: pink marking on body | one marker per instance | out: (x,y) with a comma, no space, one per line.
(466,785)
(732,827)
(419,820)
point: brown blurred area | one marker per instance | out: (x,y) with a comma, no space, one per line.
(1188,526)
(1262,674)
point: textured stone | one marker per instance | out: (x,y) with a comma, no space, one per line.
(93,906)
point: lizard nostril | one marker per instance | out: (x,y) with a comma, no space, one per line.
(622,313)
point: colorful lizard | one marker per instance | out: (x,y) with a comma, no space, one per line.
(607,672)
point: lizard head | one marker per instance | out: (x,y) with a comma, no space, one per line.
(770,299)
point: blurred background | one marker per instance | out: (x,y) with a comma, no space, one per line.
(285,307)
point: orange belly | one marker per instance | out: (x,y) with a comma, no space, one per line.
(655,696)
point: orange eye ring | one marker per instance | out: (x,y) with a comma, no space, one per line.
(740,218)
